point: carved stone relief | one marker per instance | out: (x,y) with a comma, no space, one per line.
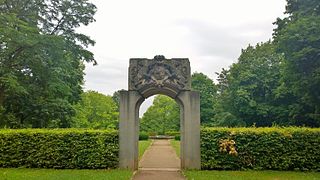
(159,72)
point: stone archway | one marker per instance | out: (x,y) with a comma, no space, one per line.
(171,77)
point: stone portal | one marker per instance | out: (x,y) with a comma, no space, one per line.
(171,77)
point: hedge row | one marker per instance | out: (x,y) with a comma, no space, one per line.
(260,148)
(69,148)
(143,136)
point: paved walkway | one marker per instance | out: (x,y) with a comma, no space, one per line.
(159,162)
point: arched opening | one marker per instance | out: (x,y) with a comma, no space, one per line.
(161,122)
(170,77)
(162,115)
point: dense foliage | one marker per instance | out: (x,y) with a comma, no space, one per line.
(162,116)
(116,98)
(96,111)
(260,148)
(41,60)
(276,82)
(41,73)
(248,90)
(298,38)
(143,136)
(202,83)
(36,148)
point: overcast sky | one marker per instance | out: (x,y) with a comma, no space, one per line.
(211,33)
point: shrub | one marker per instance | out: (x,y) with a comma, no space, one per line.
(60,148)
(260,148)
(175,134)
(172,133)
(152,133)
(177,137)
(143,136)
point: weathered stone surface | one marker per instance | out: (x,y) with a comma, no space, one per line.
(171,77)
(159,75)
(129,129)
(190,130)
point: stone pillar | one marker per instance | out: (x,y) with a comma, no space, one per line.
(128,130)
(190,130)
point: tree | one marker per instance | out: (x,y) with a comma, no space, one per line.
(276,82)
(96,111)
(116,98)
(202,83)
(162,116)
(41,60)
(247,91)
(298,38)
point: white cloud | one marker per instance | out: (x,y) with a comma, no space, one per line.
(211,33)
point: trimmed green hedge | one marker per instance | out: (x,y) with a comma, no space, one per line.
(260,148)
(61,148)
(143,136)
(172,133)
(177,137)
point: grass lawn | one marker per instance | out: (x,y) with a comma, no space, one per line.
(176,145)
(143,145)
(251,175)
(53,174)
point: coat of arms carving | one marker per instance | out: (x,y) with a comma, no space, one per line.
(158,73)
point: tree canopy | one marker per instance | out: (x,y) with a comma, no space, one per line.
(298,38)
(276,82)
(162,116)
(95,110)
(41,60)
(202,83)
(247,91)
